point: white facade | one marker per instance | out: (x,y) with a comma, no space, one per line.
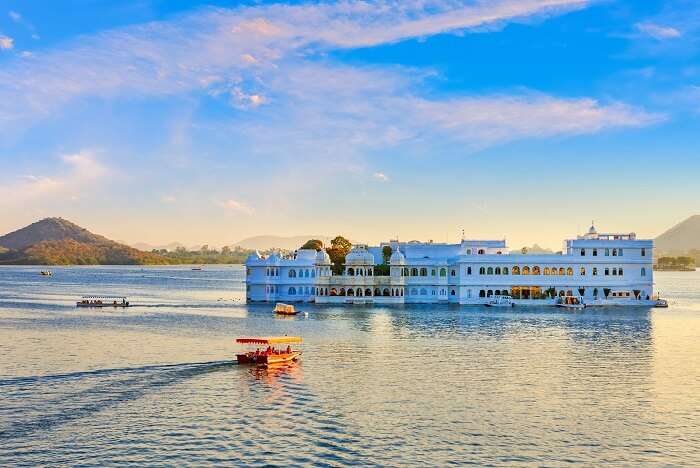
(602,268)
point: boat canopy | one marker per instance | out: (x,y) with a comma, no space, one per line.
(270,340)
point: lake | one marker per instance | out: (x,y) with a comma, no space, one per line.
(413,385)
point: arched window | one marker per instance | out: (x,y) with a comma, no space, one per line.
(546,271)
(469,270)
(619,271)
(405,272)
(351,271)
(644,271)
(595,271)
(535,270)
(443,272)
(607,272)
(414,292)
(433,272)
(414,271)
(452,292)
(497,271)
(505,270)
(333,292)
(369,272)
(562,272)
(570,271)
(423,292)
(481,252)
(582,271)
(469,251)
(359,292)
(619,252)
(482,293)
(489,293)
(368,292)
(583,252)
(489,271)
(351,292)
(292,273)
(614,252)
(497,292)
(453,272)
(313,273)
(342,291)
(360,272)
(292,291)
(526,270)
(595,252)
(595,292)
(386,292)
(482,271)
(516,270)
(267,272)
(377,292)
(607,252)
(424,272)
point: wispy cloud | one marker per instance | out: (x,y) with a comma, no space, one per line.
(78,172)
(657,31)
(381,177)
(6,43)
(236,206)
(14,16)
(168,199)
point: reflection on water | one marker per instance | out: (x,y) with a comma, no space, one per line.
(421,385)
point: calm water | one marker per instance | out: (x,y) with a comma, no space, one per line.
(419,385)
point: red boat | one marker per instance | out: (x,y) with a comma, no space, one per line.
(275,351)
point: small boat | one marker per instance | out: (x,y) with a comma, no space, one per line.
(500,301)
(102,301)
(46,273)
(196,268)
(662,303)
(571,302)
(285,309)
(270,355)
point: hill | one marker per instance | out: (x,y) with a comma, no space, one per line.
(681,238)
(278,242)
(56,241)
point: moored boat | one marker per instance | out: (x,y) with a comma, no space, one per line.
(46,273)
(571,302)
(500,301)
(270,355)
(102,301)
(285,309)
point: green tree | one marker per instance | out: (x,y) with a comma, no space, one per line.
(339,248)
(386,253)
(226,250)
(315,244)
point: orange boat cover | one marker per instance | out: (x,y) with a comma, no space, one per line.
(270,340)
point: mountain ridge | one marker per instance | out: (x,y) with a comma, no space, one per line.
(681,238)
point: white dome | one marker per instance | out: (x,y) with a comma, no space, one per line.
(397,258)
(592,230)
(255,256)
(322,258)
(359,255)
(273,259)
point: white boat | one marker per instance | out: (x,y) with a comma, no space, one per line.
(571,302)
(500,301)
(662,303)
(103,301)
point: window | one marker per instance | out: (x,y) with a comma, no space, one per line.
(424,272)
(614,272)
(614,252)
(453,272)
(546,271)
(433,272)
(516,270)
(607,272)
(423,292)
(292,291)
(583,252)
(452,292)
(561,271)
(619,252)
(414,271)
(292,273)
(482,271)
(497,271)
(505,270)
(526,270)
(481,252)
(469,270)
(351,271)
(644,271)
(469,251)
(570,271)
(535,270)
(414,292)
(619,271)
(644,252)
(489,271)
(607,252)
(313,273)
(582,271)
(443,272)
(595,252)
(595,271)
(482,293)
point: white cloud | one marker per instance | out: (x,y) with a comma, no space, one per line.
(381,177)
(6,42)
(14,16)
(168,199)
(79,172)
(658,32)
(237,206)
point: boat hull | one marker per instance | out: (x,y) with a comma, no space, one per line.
(266,360)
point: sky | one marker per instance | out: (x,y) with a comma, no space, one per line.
(208,122)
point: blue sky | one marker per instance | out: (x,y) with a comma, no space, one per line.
(209,122)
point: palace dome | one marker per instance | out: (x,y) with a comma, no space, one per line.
(273,259)
(359,255)
(322,258)
(397,258)
(592,229)
(255,256)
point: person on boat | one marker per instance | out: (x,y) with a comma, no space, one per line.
(289,349)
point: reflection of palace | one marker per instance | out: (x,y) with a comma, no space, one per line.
(602,268)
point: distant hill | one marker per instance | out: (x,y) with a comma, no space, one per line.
(681,238)
(56,241)
(534,250)
(170,247)
(279,242)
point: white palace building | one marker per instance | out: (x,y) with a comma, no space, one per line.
(603,269)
